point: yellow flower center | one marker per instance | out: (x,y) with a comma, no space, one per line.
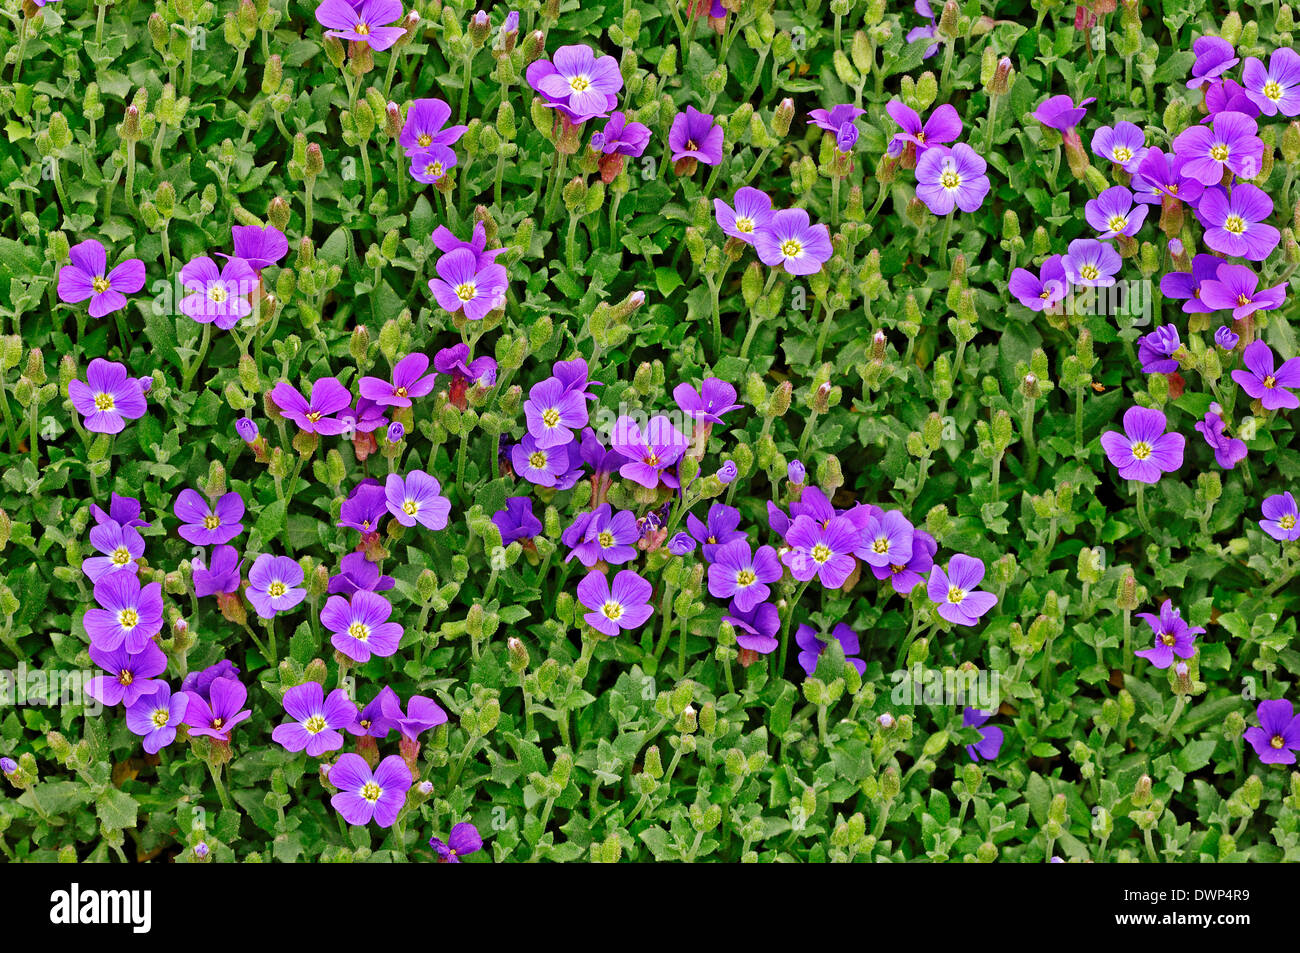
(218,722)
(1117,223)
(606,539)
(550,417)
(371,791)
(746,578)
(121,556)
(1270,381)
(1243,299)
(1277,741)
(363,29)
(1122,154)
(276,589)
(104,401)
(160,717)
(410,507)
(950,179)
(1168,638)
(128,618)
(537,460)
(399,392)
(424,139)
(579,84)
(1234,224)
(1287,522)
(466,291)
(1089,272)
(1273,90)
(211,521)
(314,725)
(791,248)
(314,416)
(216,294)
(612,610)
(1141,450)
(100,284)
(955,595)
(652,459)
(125,677)
(359,631)
(435,170)
(745,225)
(821,552)
(1219,152)
(881,545)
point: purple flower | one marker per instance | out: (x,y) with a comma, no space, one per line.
(1043,291)
(371,721)
(121,509)
(753,211)
(364,507)
(577,83)
(1265,384)
(120,545)
(885,539)
(720,529)
(258,247)
(217,296)
(650,452)
(1225,338)
(127,615)
(1277,738)
(602,535)
(1187,286)
(463,839)
(87,276)
(431,164)
(1228,452)
(681,545)
(395,433)
(905,575)
(1281,518)
(951,178)
(246,429)
(409,381)
(540,465)
(714,399)
(812,645)
(8,766)
(516,521)
(574,376)
(1090,263)
(1156,350)
(421,714)
(1173,636)
(1112,213)
(954,591)
(795,472)
(620,137)
(1228,96)
(1123,144)
(738,574)
(1234,287)
(366,795)
(1275,89)
(696,135)
(1236,224)
(928,32)
(552,412)
(328,397)
(727,473)
(831,119)
(274,585)
(824,551)
(846,138)
(1144,451)
(447,243)
(205,525)
(357,574)
(756,628)
(362,22)
(220,575)
(316,720)
(417,498)
(130,674)
(108,398)
(1230,143)
(624,604)
(991,738)
(790,241)
(423,128)
(1061,113)
(466,285)
(201,682)
(943,126)
(216,715)
(154,717)
(360,626)
(1214,57)
(1161,176)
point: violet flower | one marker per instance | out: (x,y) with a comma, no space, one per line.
(1173,636)
(362,22)
(620,137)
(154,717)
(905,575)
(1144,451)
(359,626)
(1090,263)
(516,521)
(465,285)
(1061,112)
(316,721)
(756,628)
(108,398)
(217,296)
(121,509)
(720,529)
(695,135)
(753,211)
(714,399)
(602,535)
(218,714)
(357,574)
(258,247)
(552,412)
(274,585)
(365,795)
(1161,177)
(1277,738)
(424,127)
(328,397)
(1275,89)
(824,551)
(127,613)
(1214,57)
(739,574)
(812,645)
(220,576)
(943,126)
(1156,350)
(790,241)
(1225,338)
(120,547)
(1265,384)
(417,498)
(130,674)
(87,276)
(409,382)
(649,453)
(1228,451)
(1112,213)
(991,738)
(954,591)
(623,604)
(1281,518)
(1235,288)
(577,83)
(463,839)
(1124,144)
(1237,224)
(1044,291)
(951,178)
(1229,144)
(831,119)
(1187,286)
(206,525)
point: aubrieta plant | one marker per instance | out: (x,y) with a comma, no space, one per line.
(731,430)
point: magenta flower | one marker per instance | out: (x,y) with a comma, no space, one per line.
(1234,287)
(821,551)
(409,382)
(738,574)
(1173,636)
(220,576)
(130,674)
(87,276)
(721,528)
(943,126)
(1112,213)
(1228,96)
(423,128)
(360,626)
(951,178)
(1275,89)
(467,285)
(1236,224)
(120,546)
(648,453)
(1041,292)
(620,137)
(1090,263)
(991,738)
(1061,113)
(217,714)
(365,795)
(1144,451)
(602,535)
(258,247)
(328,397)
(1214,57)
(624,604)
(463,839)
(274,585)
(1161,176)
(955,592)
(812,645)
(362,23)
(421,714)
(885,539)
(1277,738)
(218,296)
(447,242)
(1265,384)
(714,399)
(577,83)
(753,211)
(832,119)
(695,135)
(317,721)
(155,716)
(205,525)
(1228,451)
(1281,518)
(1229,144)
(791,242)
(1187,286)
(552,412)
(1124,144)
(417,498)
(108,398)
(128,614)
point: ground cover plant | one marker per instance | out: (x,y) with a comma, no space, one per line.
(735,430)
